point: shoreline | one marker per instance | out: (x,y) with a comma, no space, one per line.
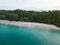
(30,24)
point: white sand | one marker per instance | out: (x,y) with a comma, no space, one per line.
(30,24)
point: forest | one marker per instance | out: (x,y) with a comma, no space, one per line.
(48,17)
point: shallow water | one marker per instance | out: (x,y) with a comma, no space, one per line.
(14,35)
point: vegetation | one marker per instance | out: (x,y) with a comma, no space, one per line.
(50,17)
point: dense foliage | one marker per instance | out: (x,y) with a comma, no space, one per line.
(50,17)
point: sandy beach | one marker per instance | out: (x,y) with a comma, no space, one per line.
(30,24)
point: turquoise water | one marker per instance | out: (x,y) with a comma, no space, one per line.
(14,35)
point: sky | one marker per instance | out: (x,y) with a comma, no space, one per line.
(30,4)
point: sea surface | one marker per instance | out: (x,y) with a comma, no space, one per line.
(14,35)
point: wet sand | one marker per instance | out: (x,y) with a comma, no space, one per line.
(30,24)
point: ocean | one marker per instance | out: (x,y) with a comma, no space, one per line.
(15,35)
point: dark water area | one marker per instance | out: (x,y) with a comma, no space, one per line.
(14,35)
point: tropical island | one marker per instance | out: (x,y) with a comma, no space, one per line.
(39,19)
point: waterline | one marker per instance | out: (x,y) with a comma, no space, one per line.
(30,24)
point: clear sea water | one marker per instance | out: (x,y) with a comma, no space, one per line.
(14,35)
